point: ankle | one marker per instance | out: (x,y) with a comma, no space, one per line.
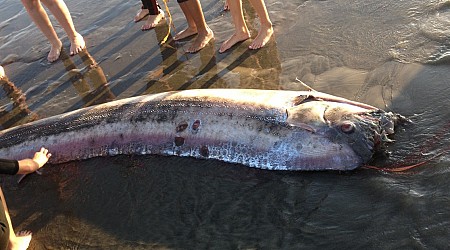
(75,37)
(56,44)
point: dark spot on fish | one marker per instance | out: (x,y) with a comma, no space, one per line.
(181,127)
(179,141)
(92,141)
(139,117)
(196,125)
(121,136)
(161,118)
(204,151)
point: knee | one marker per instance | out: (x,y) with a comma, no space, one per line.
(51,3)
(31,4)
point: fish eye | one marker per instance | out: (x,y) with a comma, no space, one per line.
(348,127)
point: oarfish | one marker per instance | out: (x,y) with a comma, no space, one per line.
(267,129)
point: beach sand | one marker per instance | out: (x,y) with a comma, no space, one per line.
(382,53)
(122,61)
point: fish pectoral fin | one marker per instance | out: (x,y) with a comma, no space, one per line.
(305,98)
(304,126)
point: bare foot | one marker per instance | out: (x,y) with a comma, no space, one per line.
(55,51)
(21,241)
(77,45)
(152,21)
(200,42)
(262,38)
(189,31)
(141,14)
(234,39)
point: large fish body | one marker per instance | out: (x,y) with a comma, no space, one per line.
(267,129)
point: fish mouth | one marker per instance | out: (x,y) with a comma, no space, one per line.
(380,126)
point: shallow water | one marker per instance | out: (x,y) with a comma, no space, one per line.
(391,54)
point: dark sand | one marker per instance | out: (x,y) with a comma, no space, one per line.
(391,54)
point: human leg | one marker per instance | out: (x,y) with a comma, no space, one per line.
(61,12)
(23,238)
(265,30)
(4,227)
(192,27)
(155,14)
(40,18)
(205,34)
(241,32)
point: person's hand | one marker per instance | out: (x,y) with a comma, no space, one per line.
(27,166)
(41,157)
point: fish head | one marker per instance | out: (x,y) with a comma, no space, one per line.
(366,131)
(353,132)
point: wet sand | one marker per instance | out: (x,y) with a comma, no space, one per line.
(390,54)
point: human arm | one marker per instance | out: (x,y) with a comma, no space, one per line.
(27,166)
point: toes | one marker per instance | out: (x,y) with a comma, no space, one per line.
(225,46)
(77,45)
(52,58)
(256,45)
(152,22)
(76,50)
(147,27)
(54,54)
